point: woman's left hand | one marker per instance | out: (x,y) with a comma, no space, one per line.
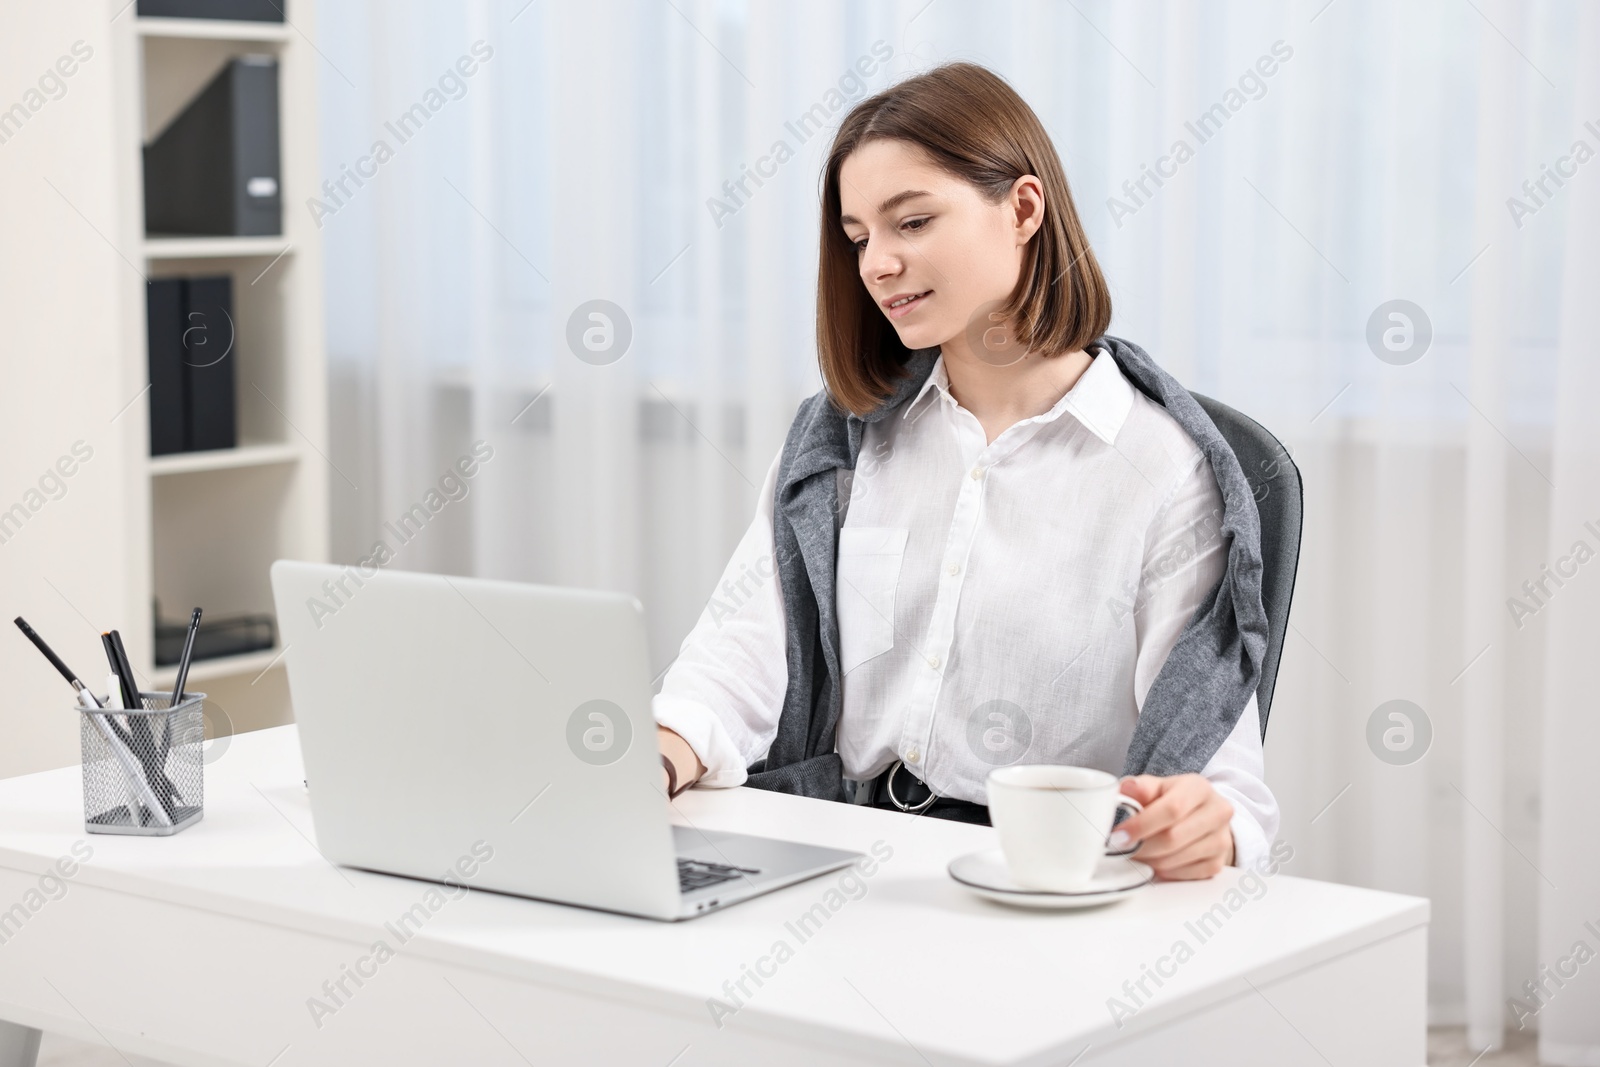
(1184,825)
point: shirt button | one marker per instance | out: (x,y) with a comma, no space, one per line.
(954,568)
(933,661)
(977,472)
(913,755)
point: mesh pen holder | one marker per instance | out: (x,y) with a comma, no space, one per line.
(143,768)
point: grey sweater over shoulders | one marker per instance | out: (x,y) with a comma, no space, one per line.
(1196,697)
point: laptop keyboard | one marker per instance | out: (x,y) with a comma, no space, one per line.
(697,874)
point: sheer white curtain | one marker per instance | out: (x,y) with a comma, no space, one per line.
(1340,156)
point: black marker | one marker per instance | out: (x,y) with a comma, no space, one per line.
(55,660)
(124,668)
(144,742)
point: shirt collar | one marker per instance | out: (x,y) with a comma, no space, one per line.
(1100,399)
(936,379)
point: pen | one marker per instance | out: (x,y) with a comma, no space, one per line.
(124,669)
(55,660)
(134,731)
(114,687)
(183,661)
(138,725)
(183,675)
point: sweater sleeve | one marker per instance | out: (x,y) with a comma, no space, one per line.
(724,692)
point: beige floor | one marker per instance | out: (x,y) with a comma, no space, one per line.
(1447,1047)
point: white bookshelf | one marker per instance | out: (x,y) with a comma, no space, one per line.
(225,458)
(219,518)
(196,528)
(159,248)
(216,29)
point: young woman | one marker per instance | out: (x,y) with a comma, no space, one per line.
(996,536)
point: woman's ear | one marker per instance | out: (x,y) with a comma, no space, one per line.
(1027,207)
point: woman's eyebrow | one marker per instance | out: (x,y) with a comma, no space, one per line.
(888,205)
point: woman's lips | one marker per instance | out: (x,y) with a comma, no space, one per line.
(910,306)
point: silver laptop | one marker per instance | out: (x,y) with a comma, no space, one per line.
(458,724)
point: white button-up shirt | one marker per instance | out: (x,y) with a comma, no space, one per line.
(999,602)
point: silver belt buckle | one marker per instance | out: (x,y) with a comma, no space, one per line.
(916,809)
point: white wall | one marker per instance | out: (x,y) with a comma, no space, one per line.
(70,297)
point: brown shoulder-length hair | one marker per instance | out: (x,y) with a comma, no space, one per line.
(977,128)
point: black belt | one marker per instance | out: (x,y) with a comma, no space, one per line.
(899,790)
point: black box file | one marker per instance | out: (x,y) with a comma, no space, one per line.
(193,348)
(169,421)
(208,343)
(214,169)
(242,10)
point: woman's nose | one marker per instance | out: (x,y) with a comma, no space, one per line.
(879,263)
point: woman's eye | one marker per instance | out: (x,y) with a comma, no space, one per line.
(914,225)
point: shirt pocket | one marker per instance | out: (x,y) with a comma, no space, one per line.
(868,573)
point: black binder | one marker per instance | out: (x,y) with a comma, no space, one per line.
(208,361)
(193,348)
(214,169)
(245,10)
(169,420)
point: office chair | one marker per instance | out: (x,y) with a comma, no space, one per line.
(1275,482)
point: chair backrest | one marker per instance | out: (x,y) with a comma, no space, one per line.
(1275,482)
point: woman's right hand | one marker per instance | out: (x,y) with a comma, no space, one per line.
(685,763)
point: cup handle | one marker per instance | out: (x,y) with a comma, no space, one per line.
(1127,802)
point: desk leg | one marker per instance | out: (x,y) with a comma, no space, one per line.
(19,1045)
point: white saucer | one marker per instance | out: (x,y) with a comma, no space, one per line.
(985,873)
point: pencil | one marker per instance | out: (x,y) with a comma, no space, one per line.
(183,661)
(55,660)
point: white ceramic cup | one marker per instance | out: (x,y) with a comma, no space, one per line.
(1054,821)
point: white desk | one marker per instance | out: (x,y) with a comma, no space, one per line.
(205,948)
